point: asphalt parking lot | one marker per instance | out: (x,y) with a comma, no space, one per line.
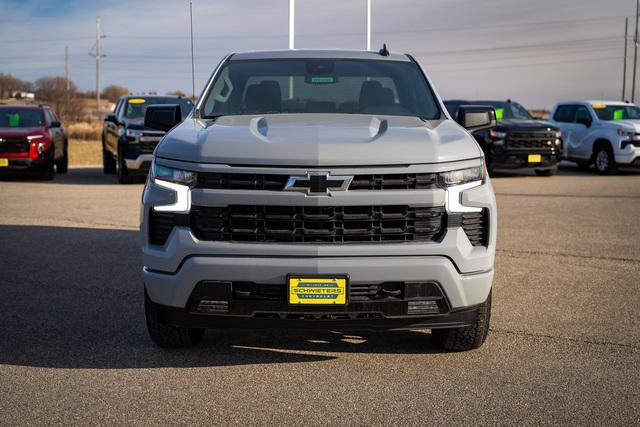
(563,347)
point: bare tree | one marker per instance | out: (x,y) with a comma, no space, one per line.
(10,84)
(53,91)
(177,93)
(113,92)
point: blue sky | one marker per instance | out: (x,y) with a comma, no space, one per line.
(536,51)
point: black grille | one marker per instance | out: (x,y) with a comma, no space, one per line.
(14,145)
(271,182)
(147,146)
(334,224)
(241,181)
(474,224)
(530,139)
(161,224)
(414,181)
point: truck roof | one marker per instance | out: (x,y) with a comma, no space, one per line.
(595,101)
(319,54)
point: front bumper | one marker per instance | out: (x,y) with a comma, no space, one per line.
(22,163)
(519,159)
(141,164)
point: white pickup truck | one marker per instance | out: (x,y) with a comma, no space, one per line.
(605,133)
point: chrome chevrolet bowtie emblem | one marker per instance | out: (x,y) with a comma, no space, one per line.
(317,183)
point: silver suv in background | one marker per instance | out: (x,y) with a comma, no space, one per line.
(603,133)
(319,189)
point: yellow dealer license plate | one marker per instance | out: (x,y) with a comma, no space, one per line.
(535,158)
(317,290)
(4,163)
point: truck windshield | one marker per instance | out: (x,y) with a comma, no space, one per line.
(617,112)
(136,107)
(507,110)
(344,86)
(20,117)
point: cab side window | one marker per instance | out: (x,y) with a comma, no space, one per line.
(565,113)
(582,115)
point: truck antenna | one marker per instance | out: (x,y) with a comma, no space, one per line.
(384,51)
(193,73)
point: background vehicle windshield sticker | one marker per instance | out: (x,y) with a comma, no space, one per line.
(618,115)
(323,79)
(137,101)
(499,113)
(14,120)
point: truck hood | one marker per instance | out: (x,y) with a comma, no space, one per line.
(20,132)
(318,140)
(525,124)
(626,125)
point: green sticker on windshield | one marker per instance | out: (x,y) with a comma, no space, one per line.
(499,113)
(323,79)
(618,114)
(14,120)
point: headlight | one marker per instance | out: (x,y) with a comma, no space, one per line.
(558,134)
(34,137)
(626,134)
(176,176)
(462,176)
(134,133)
(497,134)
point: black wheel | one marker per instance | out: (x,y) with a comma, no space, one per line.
(584,166)
(62,165)
(469,337)
(168,336)
(545,172)
(46,171)
(124,177)
(603,160)
(108,162)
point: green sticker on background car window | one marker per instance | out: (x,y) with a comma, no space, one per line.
(499,113)
(618,114)
(14,120)
(323,79)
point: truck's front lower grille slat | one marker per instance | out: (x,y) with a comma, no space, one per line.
(334,224)
(474,224)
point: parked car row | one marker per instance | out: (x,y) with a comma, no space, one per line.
(605,134)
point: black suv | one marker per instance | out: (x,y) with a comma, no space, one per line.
(127,146)
(519,141)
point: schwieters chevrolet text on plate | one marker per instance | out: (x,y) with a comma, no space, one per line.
(318,189)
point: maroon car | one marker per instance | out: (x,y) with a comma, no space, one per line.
(32,139)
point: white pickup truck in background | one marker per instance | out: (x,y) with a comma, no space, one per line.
(605,133)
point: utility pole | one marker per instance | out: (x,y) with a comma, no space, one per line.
(624,66)
(98,37)
(292,12)
(193,73)
(66,81)
(635,54)
(368,24)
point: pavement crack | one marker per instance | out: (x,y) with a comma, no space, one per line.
(560,338)
(602,258)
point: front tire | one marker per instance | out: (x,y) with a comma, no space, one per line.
(468,337)
(604,161)
(46,171)
(62,165)
(124,177)
(168,336)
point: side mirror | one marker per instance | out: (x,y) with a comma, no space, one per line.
(110,117)
(55,125)
(584,121)
(476,117)
(162,116)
